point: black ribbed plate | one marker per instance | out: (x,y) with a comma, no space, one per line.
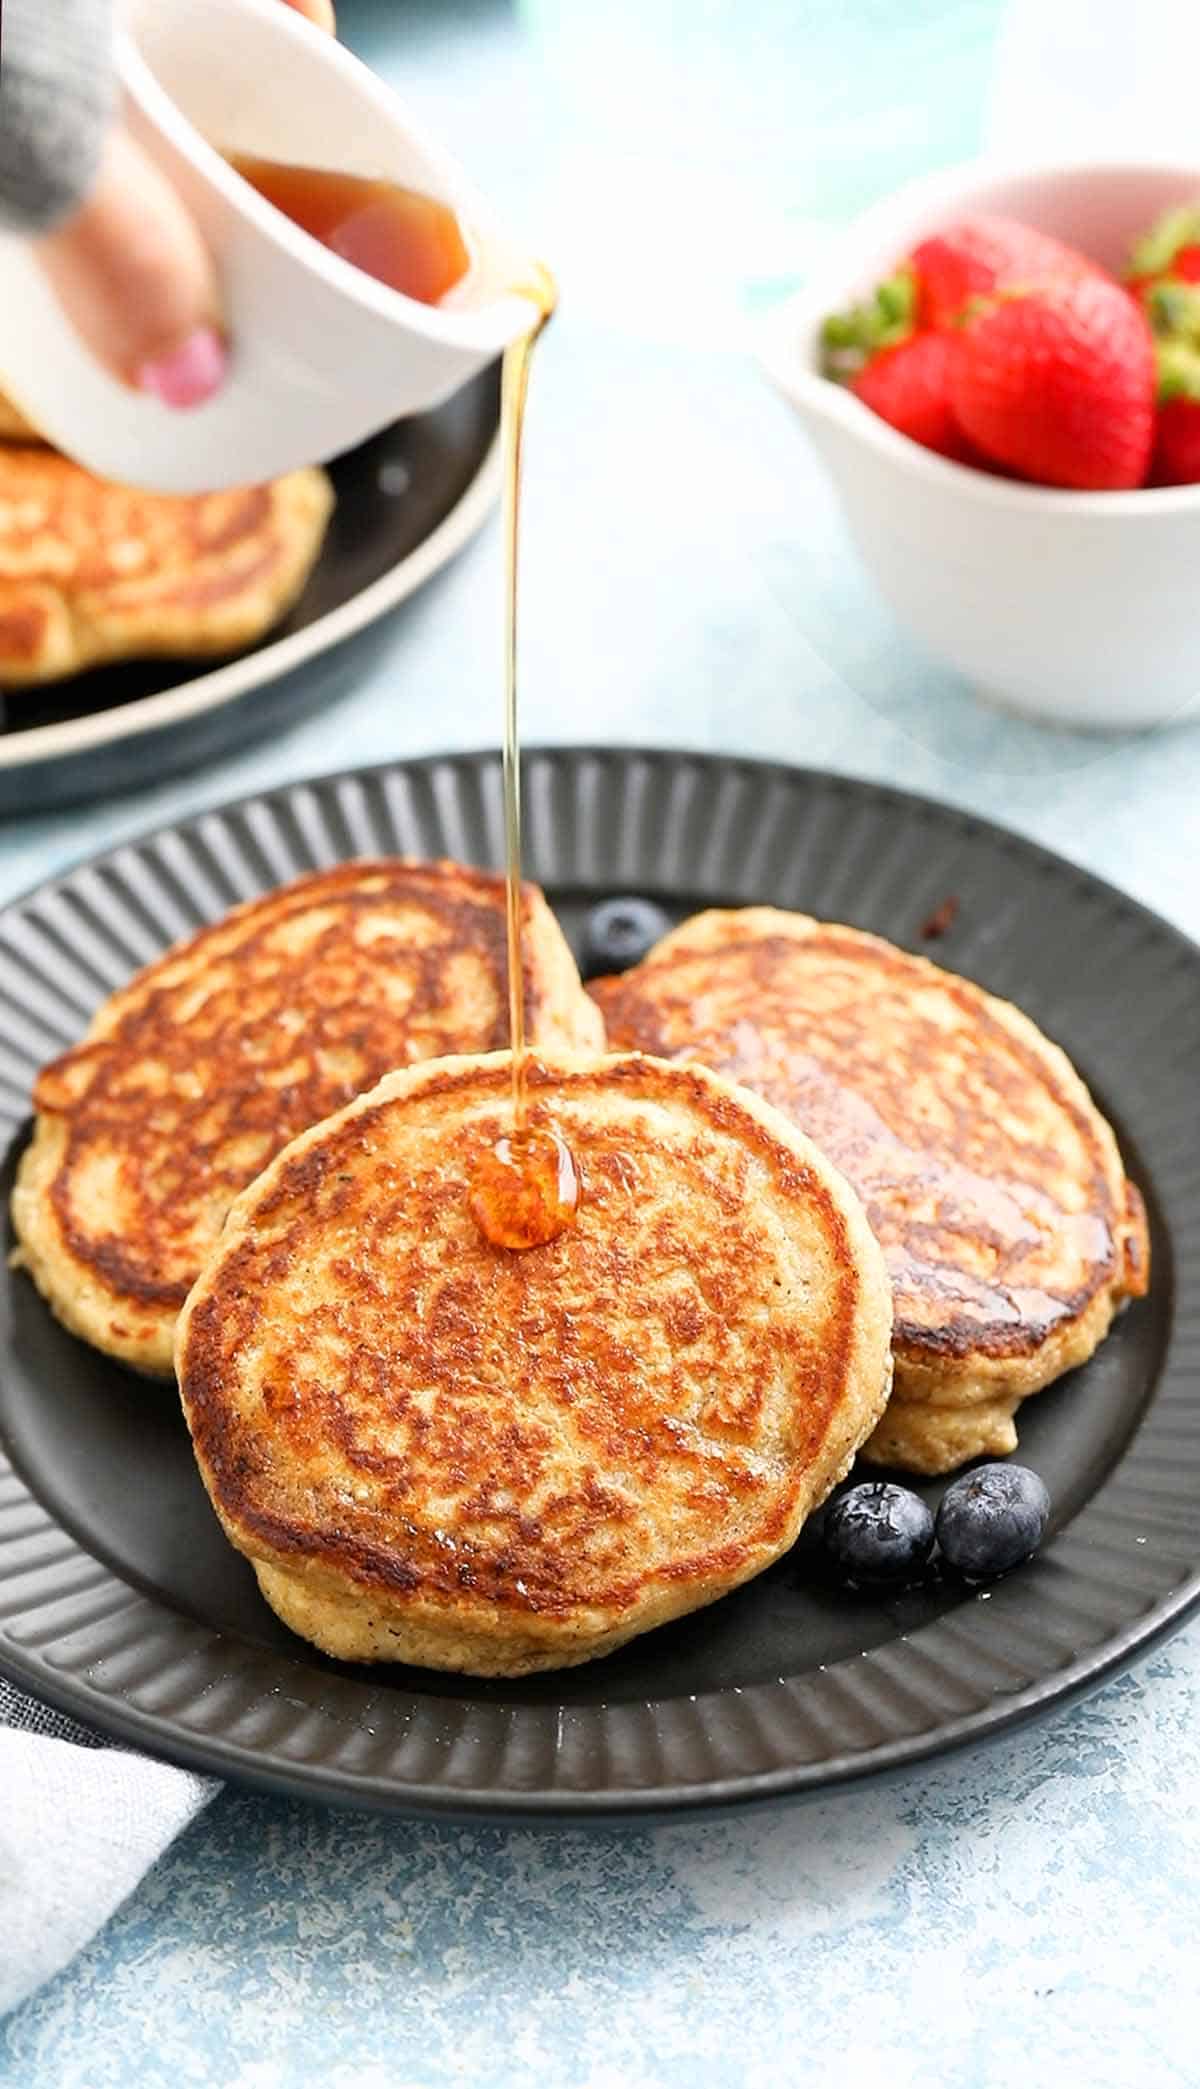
(121,1602)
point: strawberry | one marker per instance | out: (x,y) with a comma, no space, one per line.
(1171,248)
(909,387)
(1056,381)
(1173,309)
(1164,273)
(902,375)
(1177,443)
(981,254)
(895,351)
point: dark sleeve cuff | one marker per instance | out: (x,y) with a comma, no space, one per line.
(57,98)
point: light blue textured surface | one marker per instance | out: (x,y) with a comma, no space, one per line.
(1020,1914)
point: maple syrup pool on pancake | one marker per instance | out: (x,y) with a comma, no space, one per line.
(527,1189)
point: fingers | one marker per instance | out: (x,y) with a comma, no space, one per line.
(135,278)
(318,11)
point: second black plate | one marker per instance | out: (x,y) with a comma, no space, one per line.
(119,1598)
(407,501)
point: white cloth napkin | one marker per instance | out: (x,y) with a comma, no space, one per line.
(80,1824)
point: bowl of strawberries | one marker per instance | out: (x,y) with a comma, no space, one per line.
(1001,371)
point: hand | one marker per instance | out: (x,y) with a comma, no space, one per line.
(133,274)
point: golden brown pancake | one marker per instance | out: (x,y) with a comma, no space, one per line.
(194,1075)
(993,1182)
(438,1451)
(91,571)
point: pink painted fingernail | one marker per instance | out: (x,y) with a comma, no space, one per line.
(191,373)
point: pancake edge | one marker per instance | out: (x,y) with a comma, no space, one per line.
(133,1327)
(323,1600)
(951,1403)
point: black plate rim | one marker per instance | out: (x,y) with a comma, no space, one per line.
(225,1759)
(218,1754)
(753,766)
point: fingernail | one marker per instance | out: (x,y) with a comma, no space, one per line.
(190,374)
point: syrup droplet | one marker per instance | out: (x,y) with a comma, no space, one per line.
(525,1190)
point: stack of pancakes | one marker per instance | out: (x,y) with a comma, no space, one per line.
(989,1177)
(93,572)
(808,1160)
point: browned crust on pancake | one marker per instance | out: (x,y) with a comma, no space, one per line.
(1055,1276)
(195,1074)
(91,571)
(579,1385)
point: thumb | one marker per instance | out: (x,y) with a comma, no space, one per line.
(136,280)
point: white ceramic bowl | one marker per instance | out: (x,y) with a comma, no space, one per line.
(1077,607)
(323,356)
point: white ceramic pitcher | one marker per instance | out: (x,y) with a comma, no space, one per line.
(322,355)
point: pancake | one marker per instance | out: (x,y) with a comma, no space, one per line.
(91,572)
(195,1074)
(990,1177)
(438,1451)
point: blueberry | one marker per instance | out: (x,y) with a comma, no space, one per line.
(992,1518)
(879,1532)
(619,932)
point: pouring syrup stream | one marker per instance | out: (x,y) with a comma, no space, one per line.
(525,1190)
